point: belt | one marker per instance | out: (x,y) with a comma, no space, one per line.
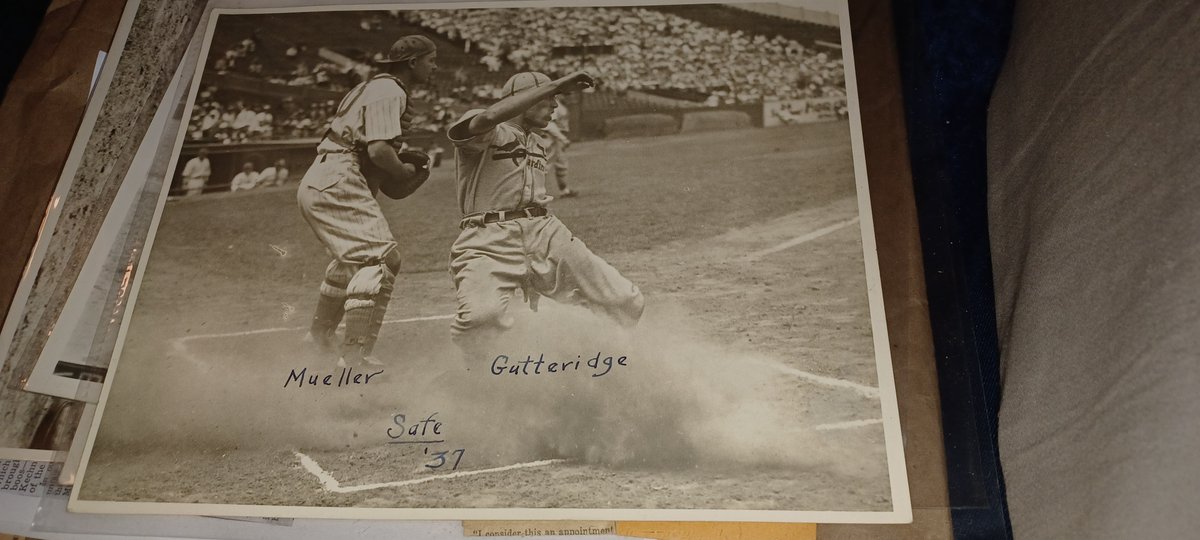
(482,218)
(339,154)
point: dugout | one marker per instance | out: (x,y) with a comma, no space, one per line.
(226,159)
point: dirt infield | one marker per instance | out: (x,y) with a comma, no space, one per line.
(749,385)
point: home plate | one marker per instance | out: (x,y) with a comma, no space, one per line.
(330,484)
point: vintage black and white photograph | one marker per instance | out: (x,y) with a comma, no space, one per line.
(509,261)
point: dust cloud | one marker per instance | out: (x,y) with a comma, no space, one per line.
(679,402)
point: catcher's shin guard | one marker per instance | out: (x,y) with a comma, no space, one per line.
(325,321)
(366,304)
(358,324)
(377,313)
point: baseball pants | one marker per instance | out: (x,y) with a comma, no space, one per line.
(556,158)
(194,186)
(538,255)
(342,211)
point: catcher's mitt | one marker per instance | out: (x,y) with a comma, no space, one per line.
(398,190)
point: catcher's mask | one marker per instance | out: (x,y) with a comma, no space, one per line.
(405,49)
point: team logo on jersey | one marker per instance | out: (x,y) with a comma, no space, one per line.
(515,151)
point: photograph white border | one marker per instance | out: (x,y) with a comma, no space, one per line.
(901,503)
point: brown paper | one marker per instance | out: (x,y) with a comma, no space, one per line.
(38,119)
(903,277)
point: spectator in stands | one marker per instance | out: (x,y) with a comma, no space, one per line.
(210,119)
(196,172)
(245,123)
(492,62)
(301,74)
(372,23)
(321,75)
(231,57)
(263,123)
(275,175)
(247,179)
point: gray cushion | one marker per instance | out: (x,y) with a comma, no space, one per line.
(1094,196)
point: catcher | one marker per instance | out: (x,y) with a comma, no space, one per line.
(356,159)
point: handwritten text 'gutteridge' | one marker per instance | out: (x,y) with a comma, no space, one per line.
(599,364)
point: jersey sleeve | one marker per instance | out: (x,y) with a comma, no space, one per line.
(476,143)
(383,105)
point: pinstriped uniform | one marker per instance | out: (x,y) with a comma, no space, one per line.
(335,198)
(505,169)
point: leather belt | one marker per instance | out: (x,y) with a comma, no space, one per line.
(482,218)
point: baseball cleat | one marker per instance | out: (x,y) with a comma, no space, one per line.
(351,361)
(568,193)
(324,342)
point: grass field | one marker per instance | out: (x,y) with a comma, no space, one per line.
(751,385)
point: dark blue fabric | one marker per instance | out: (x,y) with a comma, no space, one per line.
(950,55)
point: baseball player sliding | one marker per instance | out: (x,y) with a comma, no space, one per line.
(356,159)
(509,240)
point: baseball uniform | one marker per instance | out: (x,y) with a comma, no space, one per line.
(340,207)
(195,175)
(273,176)
(556,154)
(504,169)
(243,181)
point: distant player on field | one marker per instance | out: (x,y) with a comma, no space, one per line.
(247,179)
(275,175)
(556,155)
(338,200)
(509,241)
(196,173)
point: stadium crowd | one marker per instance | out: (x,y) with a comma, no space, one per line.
(628,48)
(642,49)
(250,119)
(298,67)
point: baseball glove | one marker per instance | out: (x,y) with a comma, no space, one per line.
(399,190)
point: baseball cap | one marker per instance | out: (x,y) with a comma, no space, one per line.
(524,81)
(407,48)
